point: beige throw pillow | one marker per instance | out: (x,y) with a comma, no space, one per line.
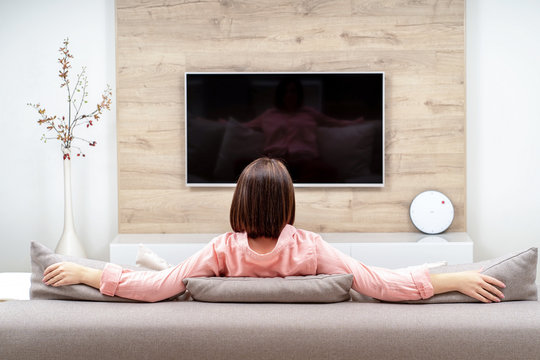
(42,257)
(292,289)
(516,270)
(320,288)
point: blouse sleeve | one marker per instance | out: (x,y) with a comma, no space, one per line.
(379,283)
(154,286)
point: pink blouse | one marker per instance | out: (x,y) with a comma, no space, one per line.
(297,252)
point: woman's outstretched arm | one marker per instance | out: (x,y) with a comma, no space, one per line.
(148,286)
(400,285)
(378,283)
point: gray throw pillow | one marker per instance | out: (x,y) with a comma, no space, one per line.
(42,257)
(292,289)
(516,270)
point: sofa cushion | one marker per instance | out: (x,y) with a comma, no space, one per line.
(291,289)
(42,257)
(516,270)
(311,289)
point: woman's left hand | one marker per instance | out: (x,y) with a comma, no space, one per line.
(471,283)
(480,286)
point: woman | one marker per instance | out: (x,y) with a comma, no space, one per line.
(264,243)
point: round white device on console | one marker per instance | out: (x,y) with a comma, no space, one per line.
(431,212)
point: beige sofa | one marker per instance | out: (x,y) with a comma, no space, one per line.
(57,329)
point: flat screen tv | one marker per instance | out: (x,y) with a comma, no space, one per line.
(328,128)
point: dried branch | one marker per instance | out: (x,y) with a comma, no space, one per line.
(62,127)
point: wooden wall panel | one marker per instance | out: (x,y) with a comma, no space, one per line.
(418,44)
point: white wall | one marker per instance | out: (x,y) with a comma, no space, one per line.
(503,125)
(31,185)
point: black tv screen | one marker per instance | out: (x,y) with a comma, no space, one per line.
(328,128)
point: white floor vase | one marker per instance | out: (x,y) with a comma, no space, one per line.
(69,243)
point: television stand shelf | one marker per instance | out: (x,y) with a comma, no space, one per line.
(390,250)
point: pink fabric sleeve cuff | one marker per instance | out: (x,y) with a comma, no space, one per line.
(423,283)
(110,279)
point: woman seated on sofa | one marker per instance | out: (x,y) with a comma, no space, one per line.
(264,243)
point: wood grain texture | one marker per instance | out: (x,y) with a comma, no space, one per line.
(418,44)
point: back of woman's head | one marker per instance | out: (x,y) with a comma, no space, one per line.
(263,201)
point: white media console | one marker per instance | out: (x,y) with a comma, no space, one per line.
(390,250)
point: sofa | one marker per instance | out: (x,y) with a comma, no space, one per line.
(299,317)
(59,329)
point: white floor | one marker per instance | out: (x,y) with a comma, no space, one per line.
(14,286)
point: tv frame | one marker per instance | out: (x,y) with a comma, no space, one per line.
(299,185)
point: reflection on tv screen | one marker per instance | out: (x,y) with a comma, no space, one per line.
(326,127)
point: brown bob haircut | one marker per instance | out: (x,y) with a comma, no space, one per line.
(263,201)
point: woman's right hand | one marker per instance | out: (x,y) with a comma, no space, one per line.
(68,273)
